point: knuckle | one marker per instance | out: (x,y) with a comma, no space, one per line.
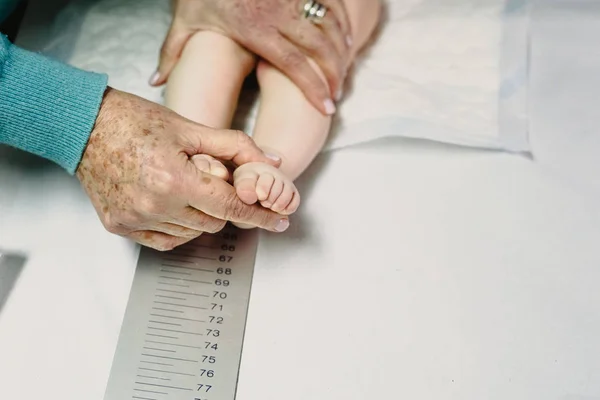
(166,182)
(234,209)
(264,219)
(291,59)
(166,49)
(323,48)
(165,52)
(335,76)
(131,219)
(110,224)
(243,140)
(158,179)
(149,206)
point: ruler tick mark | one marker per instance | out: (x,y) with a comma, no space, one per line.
(180,305)
(167,309)
(157,363)
(189,268)
(178,345)
(167,372)
(170,358)
(168,337)
(164,386)
(175,331)
(179,292)
(148,391)
(173,284)
(153,348)
(198,246)
(175,272)
(179,318)
(164,323)
(193,256)
(176,260)
(170,297)
(185,280)
(153,377)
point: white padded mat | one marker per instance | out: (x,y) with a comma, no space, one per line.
(453,71)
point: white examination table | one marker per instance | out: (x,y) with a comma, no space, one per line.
(414,270)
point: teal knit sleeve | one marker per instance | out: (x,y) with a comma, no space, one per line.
(47,108)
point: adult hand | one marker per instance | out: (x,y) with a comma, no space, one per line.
(137,172)
(275,31)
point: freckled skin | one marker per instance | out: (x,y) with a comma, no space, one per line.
(137,172)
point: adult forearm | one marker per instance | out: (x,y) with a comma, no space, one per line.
(47,108)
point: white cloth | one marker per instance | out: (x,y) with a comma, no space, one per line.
(453,71)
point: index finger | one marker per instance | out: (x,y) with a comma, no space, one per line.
(217,198)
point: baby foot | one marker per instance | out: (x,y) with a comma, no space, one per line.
(261,182)
(210,165)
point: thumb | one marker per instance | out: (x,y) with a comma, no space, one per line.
(170,52)
(225,144)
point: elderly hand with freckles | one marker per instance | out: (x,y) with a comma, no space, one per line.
(134,157)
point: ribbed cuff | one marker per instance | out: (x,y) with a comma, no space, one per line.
(47,108)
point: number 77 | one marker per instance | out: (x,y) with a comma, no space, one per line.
(200,386)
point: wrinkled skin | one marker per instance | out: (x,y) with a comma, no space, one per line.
(273,30)
(137,172)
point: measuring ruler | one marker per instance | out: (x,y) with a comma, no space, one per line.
(183,328)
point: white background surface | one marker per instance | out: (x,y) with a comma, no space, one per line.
(565,84)
(412,271)
(430,266)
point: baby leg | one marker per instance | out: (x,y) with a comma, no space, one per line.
(206,82)
(205,85)
(288,125)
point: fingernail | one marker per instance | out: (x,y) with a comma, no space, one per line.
(154,78)
(349,41)
(273,157)
(282,225)
(329,107)
(339,94)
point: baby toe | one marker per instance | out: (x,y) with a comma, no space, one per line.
(285,198)
(264,185)
(293,205)
(245,188)
(276,190)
